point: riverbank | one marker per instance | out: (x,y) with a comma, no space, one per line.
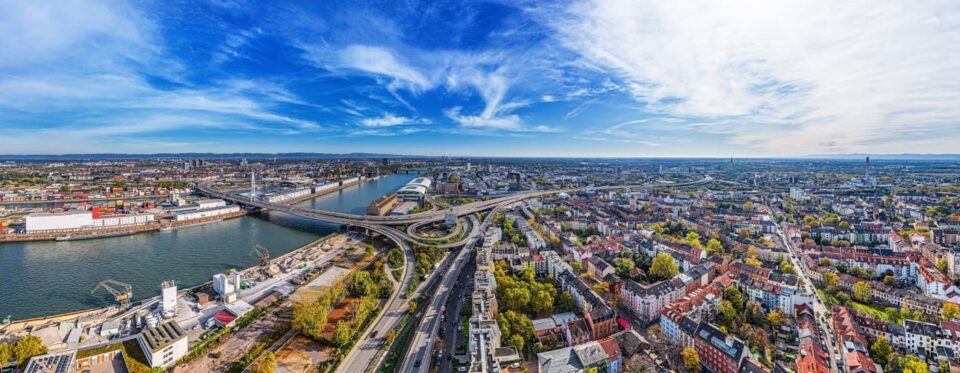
(322,193)
(96,316)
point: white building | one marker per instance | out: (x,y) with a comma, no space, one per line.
(46,221)
(205,213)
(168,296)
(227,286)
(411,192)
(75,220)
(164,344)
(122,220)
(797,194)
(210,203)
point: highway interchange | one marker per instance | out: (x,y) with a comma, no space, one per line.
(363,355)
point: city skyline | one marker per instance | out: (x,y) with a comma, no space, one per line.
(571,79)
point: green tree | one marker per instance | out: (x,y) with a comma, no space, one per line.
(776,318)
(342,333)
(566,303)
(843,298)
(912,364)
(861,291)
(693,239)
(577,267)
(727,312)
(27,347)
(950,311)
(880,350)
(786,267)
(889,280)
(391,336)
(267,363)
(625,265)
(309,317)
(942,264)
(830,280)
(714,247)
(748,206)
(516,298)
(691,360)
(824,262)
(733,295)
(6,353)
(517,341)
(543,303)
(664,266)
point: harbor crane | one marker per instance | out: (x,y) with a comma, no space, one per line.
(262,253)
(121,291)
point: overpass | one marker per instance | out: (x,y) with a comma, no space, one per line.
(360,357)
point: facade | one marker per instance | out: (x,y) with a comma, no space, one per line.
(718,352)
(164,344)
(46,221)
(77,220)
(383,205)
(851,345)
(201,213)
(645,302)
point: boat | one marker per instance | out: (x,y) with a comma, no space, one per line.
(95,235)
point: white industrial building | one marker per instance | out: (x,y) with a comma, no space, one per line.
(75,220)
(164,344)
(210,204)
(411,192)
(227,286)
(191,214)
(319,188)
(285,196)
(46,221)
(121,220)
(168,298)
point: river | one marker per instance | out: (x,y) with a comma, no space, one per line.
(51,277)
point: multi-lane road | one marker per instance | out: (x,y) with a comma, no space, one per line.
(821,313)
(420,350)
(363,354)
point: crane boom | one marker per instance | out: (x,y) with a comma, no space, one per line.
(121,291)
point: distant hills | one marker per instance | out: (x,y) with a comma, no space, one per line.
(902,156)
(118,156)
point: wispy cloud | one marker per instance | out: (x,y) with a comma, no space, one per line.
(391,120)
(852,72)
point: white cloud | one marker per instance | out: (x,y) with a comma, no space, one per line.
(866,75)
(391,120)
(381,61)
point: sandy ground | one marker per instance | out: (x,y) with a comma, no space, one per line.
(242,341)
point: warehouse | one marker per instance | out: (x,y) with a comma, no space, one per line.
(411,192)
(191,214)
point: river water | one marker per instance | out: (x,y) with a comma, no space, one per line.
(51,277)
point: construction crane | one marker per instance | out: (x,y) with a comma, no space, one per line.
(262,253)
(122,292)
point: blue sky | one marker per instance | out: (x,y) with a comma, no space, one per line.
(477,78)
